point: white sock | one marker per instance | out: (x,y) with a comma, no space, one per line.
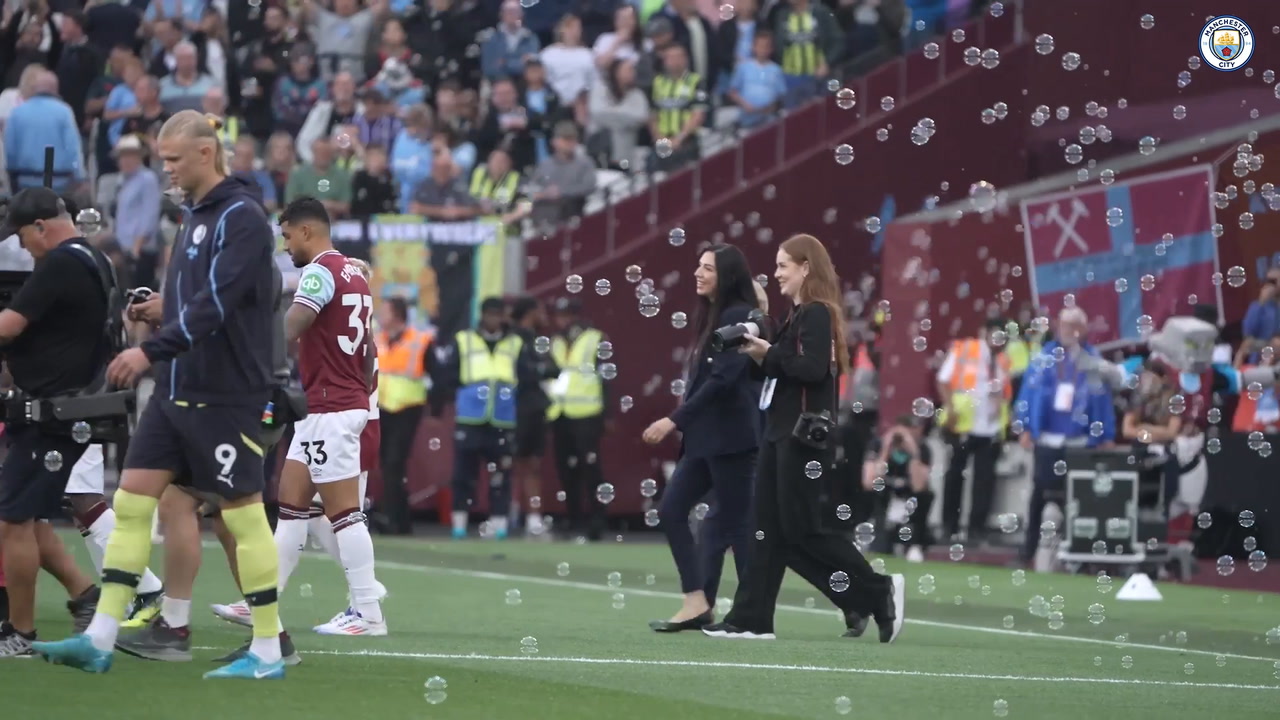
(533,522)
(459,519)
(102,631)
(291,538)
(498,523)
(321,530)
(149,583)
(266,649)
(96,543)
(176,613)
(356,547)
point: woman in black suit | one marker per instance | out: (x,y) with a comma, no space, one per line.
(802,368)
(721,432)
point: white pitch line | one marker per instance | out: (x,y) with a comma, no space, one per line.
(552,582)
(770,666)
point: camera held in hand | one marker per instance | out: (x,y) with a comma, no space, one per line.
(732,336)
(814,429)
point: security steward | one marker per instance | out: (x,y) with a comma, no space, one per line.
(56,342)
(483,367)
(402,393)
(679,108)
(578,416)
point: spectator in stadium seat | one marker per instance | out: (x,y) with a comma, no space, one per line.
(443,196)
(1258,412)
(504,53)
(340,108)
(809,41)
(342,35)
(734,41)
(148,115)
(679,107)
(167,35)
(137,219)
(244,165)
(1262,319)
(625,42)
(508,123)
(281,159)
(695,34)
(15,96)
(411,154)
(571,69)
(619,111)
(393,44)
(543,105)
(758,86)
(378,122)
(79,65)
(43,120)
(496,186)
(184,88)
(111,25)
(323,180)
(210,39)
(373,192)
(29,48)
(261,65)
(184,14)
(660,37)
(873,24)
(460,150)
(119,62)
(565,179)
(297,92)
(215,103)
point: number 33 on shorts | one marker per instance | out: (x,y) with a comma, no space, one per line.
(329,444)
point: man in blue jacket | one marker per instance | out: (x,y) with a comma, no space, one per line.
(204,422)
(1060,406)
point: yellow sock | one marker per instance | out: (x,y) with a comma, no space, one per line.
(128,550)
(259,566)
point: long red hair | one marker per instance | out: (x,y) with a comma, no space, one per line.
(821,285)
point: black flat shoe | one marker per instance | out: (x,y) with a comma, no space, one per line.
(695,623)
(856,624)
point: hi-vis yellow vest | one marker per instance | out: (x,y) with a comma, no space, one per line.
(578,392)
(964,384)
(487,380)
(400,380)
(1020,353)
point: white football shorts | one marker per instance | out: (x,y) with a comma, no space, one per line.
(329,444)
(88,475)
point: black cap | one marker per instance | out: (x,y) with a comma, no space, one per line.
(29,206)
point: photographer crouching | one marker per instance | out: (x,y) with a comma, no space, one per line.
(900,459)
(54,342)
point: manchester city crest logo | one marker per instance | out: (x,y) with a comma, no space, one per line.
(1226,43)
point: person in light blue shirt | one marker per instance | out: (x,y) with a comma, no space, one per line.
(411,153)
(758,85)
(137,220)
(504,53)
(44,120)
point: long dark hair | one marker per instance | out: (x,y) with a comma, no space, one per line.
(734,286)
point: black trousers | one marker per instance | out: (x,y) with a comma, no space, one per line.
(787,514)
(476,444)
(728,524)
(398,432)
(577,451)
(985,452)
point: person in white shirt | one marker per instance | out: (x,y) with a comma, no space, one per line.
(571,70)
(974,384)
(625,42)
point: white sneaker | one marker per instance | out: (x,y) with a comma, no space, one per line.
(352,623)
(236,612)
(915,554)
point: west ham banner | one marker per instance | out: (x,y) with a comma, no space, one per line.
(1131,254)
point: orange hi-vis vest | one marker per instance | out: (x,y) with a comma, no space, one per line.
(964,383)
(861,361)
(401,383)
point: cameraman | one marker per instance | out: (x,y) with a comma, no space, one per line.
(901,459)
(54,343)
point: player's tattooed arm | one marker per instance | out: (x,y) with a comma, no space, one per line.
(296,321)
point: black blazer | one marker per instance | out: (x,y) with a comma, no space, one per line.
(800,362)
(719,414)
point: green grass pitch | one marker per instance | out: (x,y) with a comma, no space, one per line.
(1199,653)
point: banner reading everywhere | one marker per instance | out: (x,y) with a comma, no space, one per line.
(1099,245)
